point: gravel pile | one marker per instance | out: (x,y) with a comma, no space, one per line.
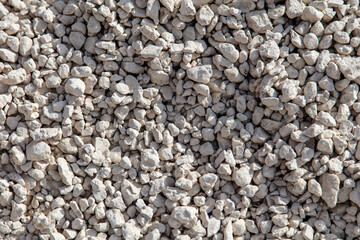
(179,119)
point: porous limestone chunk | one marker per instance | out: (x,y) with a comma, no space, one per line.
(200,74)
(229,52)
(65,171)
(269,49)
(15,77)
(204,15)
(184,214)
(75,86)
(259,21)
(330,185)
(149,160)
(243,176)
(115,217)
(8,55)
(38,151)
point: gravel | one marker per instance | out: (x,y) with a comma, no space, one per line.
(179,119)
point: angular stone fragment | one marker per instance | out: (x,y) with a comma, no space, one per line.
(17,155)
(330,184)
(326,119)
(8,55)
(93,25)
(234,75)
(75,86)
(269,49)
(187,8)
(53,80)
(213,226)
(287,152)
(334,26)
(184,214)
(149,160)
(77,39)
(349,95)
(57,236)
(201,74)
(152,10)
(311,14)
(158,77)
(174,194)
(131,230)
(17,211)
(65,171)
(115,217)
(151,51)
(208,181)
(243,5)
(15,77)
(206,149)
(355,195)
(314,187)
(325,146)
(259,136)
(127,5)
(243,176)
(289,90)
(37,151)
(314,130)
(294,8)
(270,126)
(83,71)
(202,89)
(132,67)
(229,51)
(169,4)
(204,15)
(130,191)
(349,66)
(98,190)
(259,21)
(308,232)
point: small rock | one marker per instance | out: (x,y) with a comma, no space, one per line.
(204,15)
(243,176)
(330,184)
(311,14)
(65,171)
(213,226)
(151,51)
(8,55)
(15,77)
(259,21)
(201,74)
(115,217)
(269,49)
(184,214)
(149,160)
(75,86)
(294,8)
(229,52)
(314,187)
(158,77)
(37,151)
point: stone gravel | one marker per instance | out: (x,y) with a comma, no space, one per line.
(179,119)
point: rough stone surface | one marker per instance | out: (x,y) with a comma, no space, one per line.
(179,119)
(38,151)
(330,185)
(201,74)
